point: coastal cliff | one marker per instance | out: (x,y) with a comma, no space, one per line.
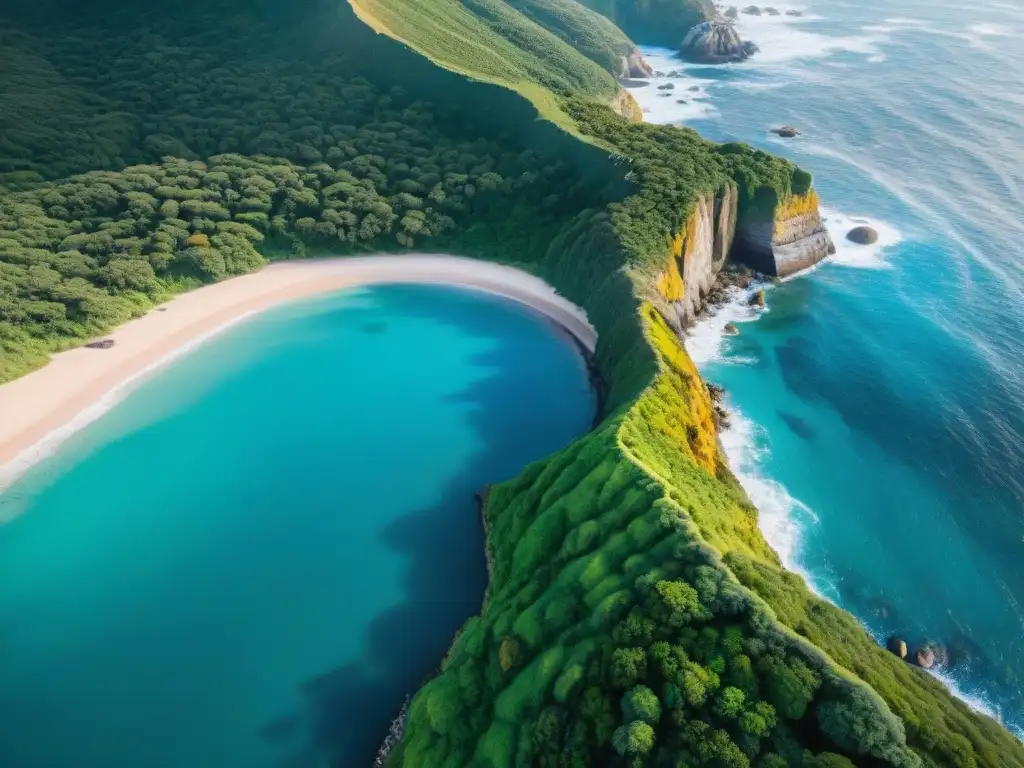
(635,612)
(624,104)
(697,254)
(790,238)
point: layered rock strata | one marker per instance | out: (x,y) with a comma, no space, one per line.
(697,254)
(793,238)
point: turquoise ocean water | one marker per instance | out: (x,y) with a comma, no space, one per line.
(255,556)
(880,401)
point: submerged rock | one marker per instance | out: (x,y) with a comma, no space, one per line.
(862,236)
(896,646)
(786,132)
(715,42)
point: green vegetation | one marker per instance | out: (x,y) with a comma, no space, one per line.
(635,614)
(655,22)
(492,41)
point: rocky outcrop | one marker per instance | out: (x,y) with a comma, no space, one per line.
(625,105)
(715,42)
(698,253)
(632,64)
(786,132)
(792,238)
(896,646)
(862,236)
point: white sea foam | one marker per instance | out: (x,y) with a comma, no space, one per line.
(782,517)
(665,109)
(861,256)
(781,39)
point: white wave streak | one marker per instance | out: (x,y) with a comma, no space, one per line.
(782,517)
(891,183)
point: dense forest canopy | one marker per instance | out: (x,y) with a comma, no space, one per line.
(636,616)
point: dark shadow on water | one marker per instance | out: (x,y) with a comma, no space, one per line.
(797,426)
(347,710)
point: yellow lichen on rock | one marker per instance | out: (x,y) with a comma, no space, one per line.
(692,428)
(670,282)
(625,105)
(794,206)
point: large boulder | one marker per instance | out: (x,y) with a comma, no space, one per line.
(786,132)
(931,655)
(862,236)
(715,42)
(897,646)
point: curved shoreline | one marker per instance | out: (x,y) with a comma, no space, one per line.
(42,409)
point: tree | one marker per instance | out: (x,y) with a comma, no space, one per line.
(641,704)
(729,703)
(637,738)
(628,667)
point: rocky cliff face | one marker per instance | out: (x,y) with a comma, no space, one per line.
(715,42)
(632,64)
(794,238)
(624,104)
(698,253)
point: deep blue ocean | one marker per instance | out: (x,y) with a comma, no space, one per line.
(879,402)
(254,557)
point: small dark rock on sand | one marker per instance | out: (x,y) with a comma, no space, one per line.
(667,87)
(786,132)
(101,344)
(682,101)
(862,236)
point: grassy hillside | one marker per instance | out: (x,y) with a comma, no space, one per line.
(655,22)
(491,41)
(635,615)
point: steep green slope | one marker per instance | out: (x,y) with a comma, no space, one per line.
(655,22)
(491,41)
(635,615)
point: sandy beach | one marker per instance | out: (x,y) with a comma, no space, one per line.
(40,410)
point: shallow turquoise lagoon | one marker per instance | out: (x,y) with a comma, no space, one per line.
(254,557)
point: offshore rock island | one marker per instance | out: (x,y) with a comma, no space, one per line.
(635,614)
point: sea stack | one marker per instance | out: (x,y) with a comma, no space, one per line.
(715,42)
